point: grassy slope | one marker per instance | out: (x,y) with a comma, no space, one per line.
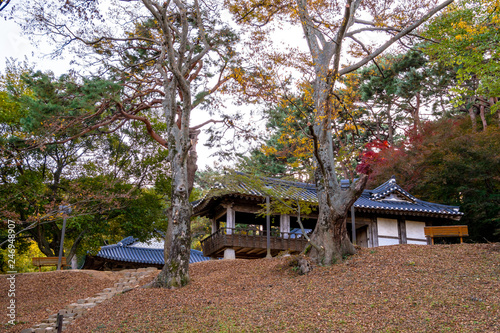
(409,288)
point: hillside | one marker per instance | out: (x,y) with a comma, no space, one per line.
(404,288)
(39,295)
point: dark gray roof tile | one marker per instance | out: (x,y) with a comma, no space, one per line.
(130,250)
(377,199)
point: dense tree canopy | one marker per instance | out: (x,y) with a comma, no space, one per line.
(449,163)
(467,37)
(102,177)
(330,28)
(163,67)
(399,88)
(163,58)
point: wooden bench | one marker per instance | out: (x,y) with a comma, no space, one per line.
(447,231)
(48,261)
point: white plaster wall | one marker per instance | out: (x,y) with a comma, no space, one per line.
(415,229)
(422,242)
(387,227)
(387,241)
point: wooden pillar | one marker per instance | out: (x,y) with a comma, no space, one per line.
(230,219)
(353,225)
(214,225)
(402,231)
(428,238)
(268,228)
(374,232)
(285,225)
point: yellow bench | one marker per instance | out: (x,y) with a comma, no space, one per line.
(48,261)
(447,231)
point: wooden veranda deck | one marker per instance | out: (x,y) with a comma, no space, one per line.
(250,244)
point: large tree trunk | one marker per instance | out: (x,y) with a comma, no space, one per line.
(175,272)
(472,114)
(483,117)
(330,233)
(182,146)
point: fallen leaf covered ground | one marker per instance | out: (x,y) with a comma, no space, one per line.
(38,295)
(405,288)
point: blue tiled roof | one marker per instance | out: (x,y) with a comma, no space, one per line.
(130,250)
(387,197)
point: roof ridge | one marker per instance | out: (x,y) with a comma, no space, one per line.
(279,180)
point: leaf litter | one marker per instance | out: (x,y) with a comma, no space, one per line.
(402,288)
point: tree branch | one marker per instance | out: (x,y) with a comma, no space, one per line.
(394,39)
(149,127)
(205,123)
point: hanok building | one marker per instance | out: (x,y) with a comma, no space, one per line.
(387,215)
(129,253)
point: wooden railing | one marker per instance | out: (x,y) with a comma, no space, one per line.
(252,238)
(447,231)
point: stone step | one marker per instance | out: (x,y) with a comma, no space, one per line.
(129,279)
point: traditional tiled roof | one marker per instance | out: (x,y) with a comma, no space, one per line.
(255,187)
(388,197)
(130,250)
(390,187)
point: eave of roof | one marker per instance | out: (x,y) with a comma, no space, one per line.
(370,200)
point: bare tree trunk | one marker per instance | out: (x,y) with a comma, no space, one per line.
(472,115)
(331,229)
(175,272)
(331,233)
(390,126)
(416,115)
(483,117)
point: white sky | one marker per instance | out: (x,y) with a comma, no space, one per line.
(13,44)
(17,46)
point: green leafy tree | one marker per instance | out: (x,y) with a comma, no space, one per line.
(331,28)
(467,37)
(168,58)
(398,88)
(286,151)
(101,177)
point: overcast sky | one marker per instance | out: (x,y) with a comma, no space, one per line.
(13,44)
